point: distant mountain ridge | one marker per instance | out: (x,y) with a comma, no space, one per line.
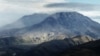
(26,21)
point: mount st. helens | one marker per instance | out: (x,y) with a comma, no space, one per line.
(58,26)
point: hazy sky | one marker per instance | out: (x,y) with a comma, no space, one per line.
(87,1)
(12,10)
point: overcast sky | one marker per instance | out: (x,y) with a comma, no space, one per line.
(12,10)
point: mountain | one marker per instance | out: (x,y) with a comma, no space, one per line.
(55,34)
(59,25)
(62,24)
(26,21)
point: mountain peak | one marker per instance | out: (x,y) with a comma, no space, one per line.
(68,15)
(68,18)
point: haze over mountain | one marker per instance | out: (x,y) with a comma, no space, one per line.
(59,25)
(26,21)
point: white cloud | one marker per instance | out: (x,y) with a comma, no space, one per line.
(91,13)
(36,1)
(11,10)
(54,1)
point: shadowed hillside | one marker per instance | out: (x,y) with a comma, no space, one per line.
(62,49)
(67,47)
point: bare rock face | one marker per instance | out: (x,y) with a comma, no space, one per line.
(80,39)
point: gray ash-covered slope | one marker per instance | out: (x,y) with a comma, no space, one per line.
(67,22)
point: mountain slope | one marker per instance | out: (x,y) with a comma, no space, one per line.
(67,23)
